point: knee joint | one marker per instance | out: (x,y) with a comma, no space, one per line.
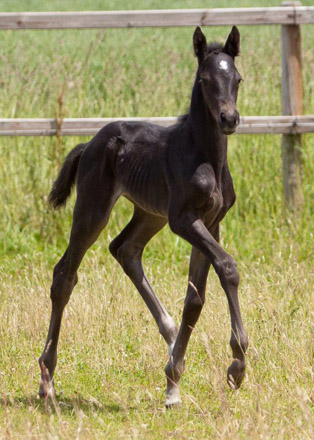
(227,271)
(125,252)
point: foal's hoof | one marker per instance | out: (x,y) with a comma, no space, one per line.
(47,387)
(235,374)
(173,398)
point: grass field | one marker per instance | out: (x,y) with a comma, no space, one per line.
(110,379)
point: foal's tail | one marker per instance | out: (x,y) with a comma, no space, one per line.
(63,185)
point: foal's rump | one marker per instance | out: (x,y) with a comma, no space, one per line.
(124,158)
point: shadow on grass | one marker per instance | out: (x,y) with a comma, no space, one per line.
(62,405)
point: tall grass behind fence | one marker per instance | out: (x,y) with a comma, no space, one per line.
(135,72)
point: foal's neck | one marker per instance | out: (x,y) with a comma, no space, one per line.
(208,139)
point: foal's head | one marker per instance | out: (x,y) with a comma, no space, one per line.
(219,77)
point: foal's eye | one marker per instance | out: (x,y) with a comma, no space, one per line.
(205,78)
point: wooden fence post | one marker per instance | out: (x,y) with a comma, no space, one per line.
(292,105)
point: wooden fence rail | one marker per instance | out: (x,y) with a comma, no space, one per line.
(157,18)
(289,125)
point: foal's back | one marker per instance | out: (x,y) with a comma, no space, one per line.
(134,154)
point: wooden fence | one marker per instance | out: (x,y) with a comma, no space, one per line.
(289,125)
(290,15)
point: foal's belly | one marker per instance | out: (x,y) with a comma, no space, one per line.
(143,181)
(148,202)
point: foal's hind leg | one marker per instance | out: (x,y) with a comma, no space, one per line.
(128,248)
(89,218)
(194,301)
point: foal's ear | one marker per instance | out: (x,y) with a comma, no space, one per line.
(232,46)
(199,43)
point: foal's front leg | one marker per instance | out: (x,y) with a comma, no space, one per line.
(188,226)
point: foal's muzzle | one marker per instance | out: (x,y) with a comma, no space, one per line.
(229,120)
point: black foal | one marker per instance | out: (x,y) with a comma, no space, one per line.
(178,175)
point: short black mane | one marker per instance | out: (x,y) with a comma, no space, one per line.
(214,47)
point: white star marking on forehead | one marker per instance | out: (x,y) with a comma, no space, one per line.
(223,65)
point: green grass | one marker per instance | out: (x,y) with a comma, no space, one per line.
(110,379)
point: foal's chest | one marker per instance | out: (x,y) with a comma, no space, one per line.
(206,194)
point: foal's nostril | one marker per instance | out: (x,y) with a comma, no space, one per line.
(229,119)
